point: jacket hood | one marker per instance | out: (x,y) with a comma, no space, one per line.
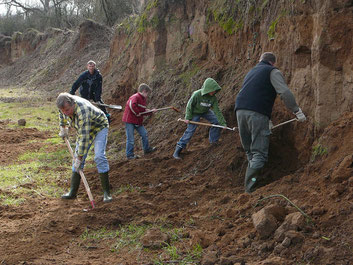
(209,85)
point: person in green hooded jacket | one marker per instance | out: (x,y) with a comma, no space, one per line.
(199,106)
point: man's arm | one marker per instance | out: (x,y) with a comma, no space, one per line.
(98,90)
(77,84)
(282,89)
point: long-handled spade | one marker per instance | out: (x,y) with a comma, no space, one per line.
(210,125)
(165,108)
(280,124)
(85,183)
(117,107)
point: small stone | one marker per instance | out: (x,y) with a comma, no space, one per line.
(21,122)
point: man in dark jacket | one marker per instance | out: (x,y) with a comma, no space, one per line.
(133,119)
(90,84)
(253,107)
(199,106)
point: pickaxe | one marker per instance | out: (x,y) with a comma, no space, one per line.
(85,183)
(210,125)
(149,111)
(118,107)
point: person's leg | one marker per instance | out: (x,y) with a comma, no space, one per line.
(129,129)
(100,143)
(189,132)
(244,132)
(144,137)
(214,133)
(260,139)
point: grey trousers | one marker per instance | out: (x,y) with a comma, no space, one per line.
(254,135)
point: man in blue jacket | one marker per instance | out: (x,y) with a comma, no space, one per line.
(90,84)
(253,107)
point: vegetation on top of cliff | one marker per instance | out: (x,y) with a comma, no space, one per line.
(141,22)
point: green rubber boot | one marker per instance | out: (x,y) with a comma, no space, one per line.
(251,179)
(75,184)
(105,185)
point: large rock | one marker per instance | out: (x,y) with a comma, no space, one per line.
(294,221)
(154,238)
(267,219)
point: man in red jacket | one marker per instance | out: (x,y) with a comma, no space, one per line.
(133,120)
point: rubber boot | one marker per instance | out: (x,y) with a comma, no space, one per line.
(75,184)
(105,185)
(177,151)
(251,179)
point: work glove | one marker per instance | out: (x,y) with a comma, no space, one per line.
(64,132)
(77,163)
(270,124)
(300,115)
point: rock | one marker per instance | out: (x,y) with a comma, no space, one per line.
(274,261)
(294,221)
(154,238)
(295,237)
(21,122)
(199,237)
(209,258)
(343,171)
(265,220)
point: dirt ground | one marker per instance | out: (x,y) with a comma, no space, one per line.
(202,193)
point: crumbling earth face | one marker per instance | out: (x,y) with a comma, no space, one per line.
(203,195)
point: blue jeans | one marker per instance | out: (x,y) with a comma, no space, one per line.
(214,133)
(100,143)
(254,135)
(130,140)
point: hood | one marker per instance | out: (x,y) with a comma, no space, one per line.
(209,85)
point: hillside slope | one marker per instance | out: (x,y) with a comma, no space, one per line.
(174,46)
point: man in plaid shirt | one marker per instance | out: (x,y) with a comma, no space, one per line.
(92,128)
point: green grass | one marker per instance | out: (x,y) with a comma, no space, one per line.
(34,172)
(128,237)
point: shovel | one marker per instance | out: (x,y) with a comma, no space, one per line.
(280,124)
(149,111)
(210,125)
(118,107)
(85,183)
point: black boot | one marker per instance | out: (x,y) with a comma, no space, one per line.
(75,183)
(177,151)
(105,185)
(251,179)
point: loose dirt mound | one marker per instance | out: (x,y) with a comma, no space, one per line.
(203,193)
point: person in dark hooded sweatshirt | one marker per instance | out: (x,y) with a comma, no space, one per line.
(89,84)
(202,104)
(253,107)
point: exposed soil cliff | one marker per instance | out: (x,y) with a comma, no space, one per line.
(173,46)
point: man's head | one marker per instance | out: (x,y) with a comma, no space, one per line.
(91,65)
(268,57)
(144,90)
(66,103)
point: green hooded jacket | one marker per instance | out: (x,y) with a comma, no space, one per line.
(200,101)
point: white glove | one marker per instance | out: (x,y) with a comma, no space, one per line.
(270,124)
(64,132)
(300,115)
(77,163)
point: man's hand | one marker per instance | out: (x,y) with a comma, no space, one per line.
(300,115)
(270,124)
(77,163)
(64,132)
(186,121)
